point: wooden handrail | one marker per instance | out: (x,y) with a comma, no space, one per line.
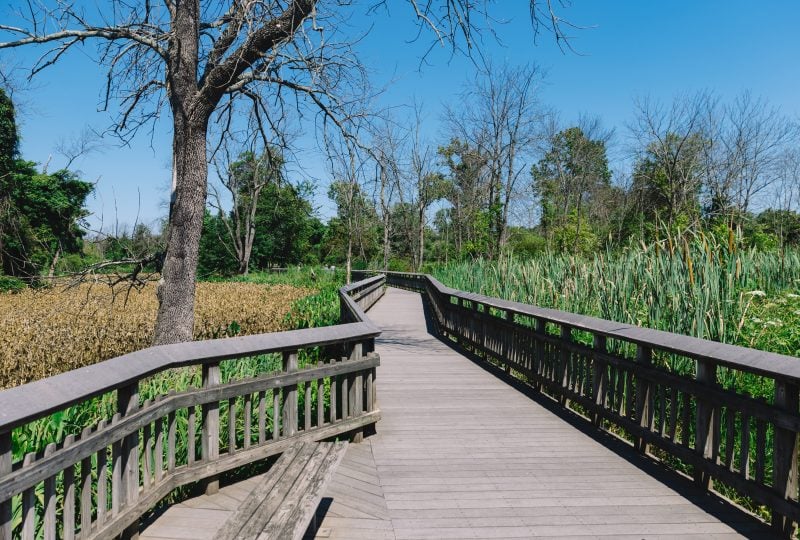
(617,379)
(98,483)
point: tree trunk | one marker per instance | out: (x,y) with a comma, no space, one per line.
(54,263)
(349,256)
(176,291)
(421,237)
(386,218)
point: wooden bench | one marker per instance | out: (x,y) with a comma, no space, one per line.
(285,503)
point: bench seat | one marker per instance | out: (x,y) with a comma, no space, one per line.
(284,504)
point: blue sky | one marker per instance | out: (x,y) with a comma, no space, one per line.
(630,48)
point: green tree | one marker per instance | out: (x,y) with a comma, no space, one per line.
(356,228)
(466,190)
(40,214)
(284,225)
(215,255)
(667,181)
(49,212)
(245,180)
(570,180)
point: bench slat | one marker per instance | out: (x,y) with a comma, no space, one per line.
(283,505)
(292,518)
(233,525)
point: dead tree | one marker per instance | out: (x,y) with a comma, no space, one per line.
(199,59)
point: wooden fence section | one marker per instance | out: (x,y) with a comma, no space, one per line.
(674,397)
(98,483)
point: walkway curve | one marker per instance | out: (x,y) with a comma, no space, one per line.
(460,453)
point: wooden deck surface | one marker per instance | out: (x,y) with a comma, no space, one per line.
(461,454)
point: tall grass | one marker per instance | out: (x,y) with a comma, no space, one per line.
(697,289)
(320,308)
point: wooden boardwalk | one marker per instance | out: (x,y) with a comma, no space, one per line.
(461,454)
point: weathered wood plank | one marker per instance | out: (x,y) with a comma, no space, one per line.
(49,502)
(28,504)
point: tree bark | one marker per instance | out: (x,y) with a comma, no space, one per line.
(176,291)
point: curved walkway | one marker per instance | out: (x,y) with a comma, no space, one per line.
(461,453)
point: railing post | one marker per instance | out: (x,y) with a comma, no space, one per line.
(704,439)
(6,465)
(599,378)
(539,352)
(355,397)
(210,443)
(289,396)
(505,346)
(784,470)
(644,408)
(128,403)
(563,368)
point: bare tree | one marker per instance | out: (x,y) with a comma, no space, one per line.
(500,115)
(388,147)
(757,136)
(199,58)
(244,177)
(669,142)
(427,183)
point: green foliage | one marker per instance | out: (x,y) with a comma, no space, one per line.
(698,289)
(667,183)
(9,139)
(356,225)
(318,309)
(285,227)
(11,284)
(773,322)
(215,257)
(40,214)
(524,243)
(570,181)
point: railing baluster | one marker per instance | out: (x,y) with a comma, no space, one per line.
(231,425)
(248,418)
(276,415)
(49,502)
(784,469)
(290,395)
(320,397)
(262,417)
(29,504)
(334,382)
(172,429)
(68,501)
(86,488)
(147,447)
(192,435)
(563,372)
(644,397)
(673,413)
(761,450)
(159,450)
(102,478)
(307,406)
(599,378)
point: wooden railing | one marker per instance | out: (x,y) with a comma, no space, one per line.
(99,482)
(677,398)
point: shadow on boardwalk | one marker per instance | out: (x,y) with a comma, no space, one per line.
(726,511)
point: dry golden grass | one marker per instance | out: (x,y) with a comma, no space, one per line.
(45,332)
